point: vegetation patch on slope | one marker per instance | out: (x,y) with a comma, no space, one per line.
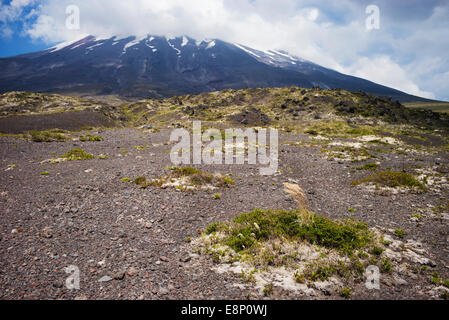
(392,179)
(301,251)
(187,179)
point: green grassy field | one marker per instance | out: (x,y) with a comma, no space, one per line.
(434,106)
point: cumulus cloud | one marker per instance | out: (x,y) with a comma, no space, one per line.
(13,10)
(328,32)
(383,70)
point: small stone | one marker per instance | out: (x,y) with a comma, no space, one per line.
(438,291)
(46,233)
(163,290)
(131,271)
(57,284)
(400,281)
(164,259)
(185,258)
(101,263)
(310,292)
(119,275)
(105,279)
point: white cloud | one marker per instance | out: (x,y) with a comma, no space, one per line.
(13,10)
(6,32)
(329,32)
(384,71)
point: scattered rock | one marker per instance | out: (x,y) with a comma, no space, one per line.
(185,258)
(132,271)
(47,233)
(438,292)
(105,279)
(119,275)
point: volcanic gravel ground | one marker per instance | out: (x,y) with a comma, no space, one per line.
(134,239)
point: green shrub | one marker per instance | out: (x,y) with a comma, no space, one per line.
(399,233)
(345,293)
(78,154)
(141,181)
(91,138)
(212,228)
(386,266)
(392,179)
(48,136)
(368,166)
(377,250)
(249,228)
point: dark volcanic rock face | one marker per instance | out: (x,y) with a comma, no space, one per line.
(68,120)
(250,117)
(160,67)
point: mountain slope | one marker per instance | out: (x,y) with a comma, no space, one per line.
(153,66)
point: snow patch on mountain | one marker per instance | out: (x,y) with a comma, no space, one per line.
(246,50)
(130,44)
(178,52)
(185,41)
(211,44)
(66,44)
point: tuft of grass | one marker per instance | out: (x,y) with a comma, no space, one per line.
(435,278)
(317,272)
(249,229)
(386,266)
(194,178)
(125,179)
(268,289)
(445,283)
(392,179)
(345,293)
(368,166)
(377,250)
(141,181)
(91,138)
(48,135)
(212,228)
(45,173)
(217,196)
(338,129)
(298,195)
(399,233)
(78,154)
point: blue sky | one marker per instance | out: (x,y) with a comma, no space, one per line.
(409,51)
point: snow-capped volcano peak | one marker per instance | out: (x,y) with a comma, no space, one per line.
(151,65)
(277,58)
